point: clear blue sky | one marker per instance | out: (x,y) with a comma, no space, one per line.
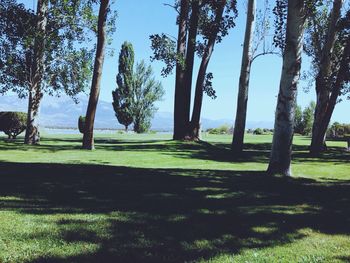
(138,19)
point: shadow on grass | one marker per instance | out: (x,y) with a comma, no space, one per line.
(172,215)
(220,152)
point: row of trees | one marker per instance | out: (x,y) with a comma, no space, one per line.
(48,52)
(319,28)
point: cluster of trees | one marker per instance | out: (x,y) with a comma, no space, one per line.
(136,92)
(48,51)
(338,130)
(304,119)
(320,28)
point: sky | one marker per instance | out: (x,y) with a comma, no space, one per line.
(138,19)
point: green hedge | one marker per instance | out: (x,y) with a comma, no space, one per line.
(81,124)
(13,123)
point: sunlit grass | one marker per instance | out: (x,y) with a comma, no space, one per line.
(145,198)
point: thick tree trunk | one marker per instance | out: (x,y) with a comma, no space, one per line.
(180,100)
(281,152)
(242,100)
(194,128)
(191,49)
(88,139)
(318,144)
(32,135)
(323,89)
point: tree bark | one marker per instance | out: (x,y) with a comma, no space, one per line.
(194,128)
(322,126)
(32,135)
(190,54)
(323,89)
(88,139)
(180,100)
(242,100)
(281,152)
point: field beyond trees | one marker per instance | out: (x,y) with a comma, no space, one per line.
(146,198)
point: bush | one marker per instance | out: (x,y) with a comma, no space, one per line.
(338,130)
(81,124)
(13,123)
(258,131)
(223,129)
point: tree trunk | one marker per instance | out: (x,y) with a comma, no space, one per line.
(242,100)
(179,111)
(32,135)
(191,49)
(88,139)
(280,159)
(323,89)
(322,126)
(194,128)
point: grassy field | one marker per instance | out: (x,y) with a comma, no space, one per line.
(145,198)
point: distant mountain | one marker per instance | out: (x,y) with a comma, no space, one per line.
(64,112)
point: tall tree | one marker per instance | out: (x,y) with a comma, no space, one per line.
(88,139)
(180,115)
(323,39)
(280,159)
(255,45)
(123,94)
(37,69)
(146,92)
(214,26)
(200,22)
(51,60)
(242,100)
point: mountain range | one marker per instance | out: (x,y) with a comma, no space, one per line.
(63,112)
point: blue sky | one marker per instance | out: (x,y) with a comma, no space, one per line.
(138,19)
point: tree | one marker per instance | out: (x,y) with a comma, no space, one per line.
(201,22)
(280,159)
(216,23)
(298,120)
(254,36)
(304,120)
(44,52)
(122,96)
(326,44)
(88,139)
(308,118)
(242,100)
(146,92)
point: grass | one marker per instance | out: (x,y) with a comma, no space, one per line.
(145,198)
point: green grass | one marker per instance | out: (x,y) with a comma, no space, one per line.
(145,198)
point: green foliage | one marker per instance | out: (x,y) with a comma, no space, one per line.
(304,119)
(338,130)
(164,46)
(258,131)
(81,124)
(123,94)
(12,123)
(68,52)
(223,129)
(146,92)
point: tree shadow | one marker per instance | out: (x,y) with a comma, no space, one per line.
(172,215)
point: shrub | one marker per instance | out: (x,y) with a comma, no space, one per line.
(223,129)
(258,131)
(13,123)
(81,124)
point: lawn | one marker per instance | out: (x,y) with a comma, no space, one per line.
(145,198)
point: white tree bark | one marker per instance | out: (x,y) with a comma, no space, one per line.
(281,152)
(242,100)
(32,135)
